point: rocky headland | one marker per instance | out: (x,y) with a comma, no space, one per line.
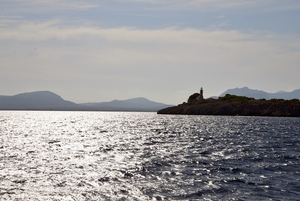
(236,105)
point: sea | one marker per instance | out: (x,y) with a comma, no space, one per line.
(62,155)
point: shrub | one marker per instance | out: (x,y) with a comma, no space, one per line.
(234,98)
(193,97)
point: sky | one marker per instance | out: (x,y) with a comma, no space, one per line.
(163,50)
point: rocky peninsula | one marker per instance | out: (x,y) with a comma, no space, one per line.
(235,105)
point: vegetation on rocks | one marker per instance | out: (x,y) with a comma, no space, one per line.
(193,97)
(234,98)
(236,105)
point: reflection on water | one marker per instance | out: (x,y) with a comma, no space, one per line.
(144,156)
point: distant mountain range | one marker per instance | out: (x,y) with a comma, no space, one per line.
(139,104)
(46,100)
(40,100)
(259,94)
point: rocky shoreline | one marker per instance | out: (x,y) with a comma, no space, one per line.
(237,105)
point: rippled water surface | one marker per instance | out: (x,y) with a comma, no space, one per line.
(145,156)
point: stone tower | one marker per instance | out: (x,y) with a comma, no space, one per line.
(201,94)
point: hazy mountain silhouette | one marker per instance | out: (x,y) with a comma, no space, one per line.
(46,100)
(134,104)
(38,100)
(259,94)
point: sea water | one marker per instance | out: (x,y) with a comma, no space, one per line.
(144,156)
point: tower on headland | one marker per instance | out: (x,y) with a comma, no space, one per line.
(201,94)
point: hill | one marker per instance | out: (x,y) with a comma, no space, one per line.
(134,104)
(259,94)
(40,100)
(46,100)
(237,105)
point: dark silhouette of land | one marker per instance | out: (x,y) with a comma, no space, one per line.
(46,100)
(233,105)
(236,105)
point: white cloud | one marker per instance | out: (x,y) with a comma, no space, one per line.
(127,62)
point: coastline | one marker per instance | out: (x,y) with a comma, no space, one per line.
(232,105)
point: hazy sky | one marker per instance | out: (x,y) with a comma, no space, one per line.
(163,50)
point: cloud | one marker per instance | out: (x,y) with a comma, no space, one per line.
(41,9)
(224,4)
(49,5)
(126,62)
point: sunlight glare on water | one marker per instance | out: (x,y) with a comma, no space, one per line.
(145,156)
